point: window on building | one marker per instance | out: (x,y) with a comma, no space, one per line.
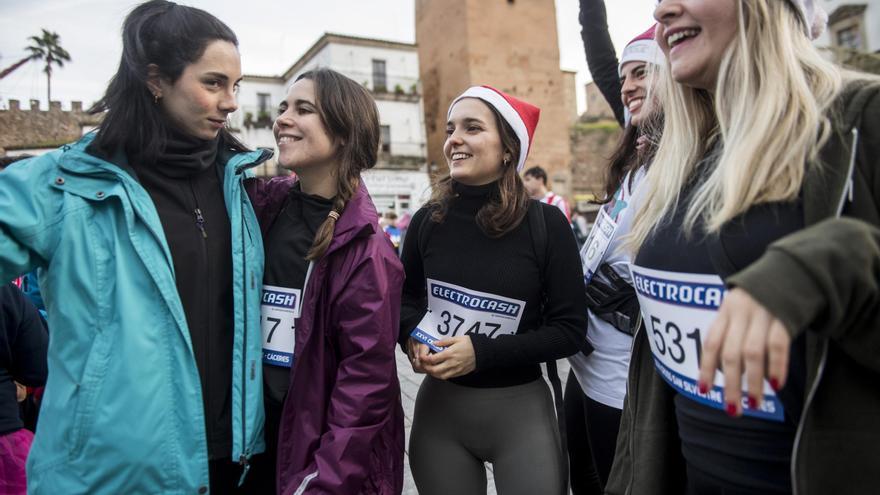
(263,103)
(380,79)
(846,25)
(385,136)
(850,37)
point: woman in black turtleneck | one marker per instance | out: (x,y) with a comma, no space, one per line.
(482,309)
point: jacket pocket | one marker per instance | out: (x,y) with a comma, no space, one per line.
(88,392)
(98,356)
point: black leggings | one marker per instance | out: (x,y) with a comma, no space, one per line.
(456,429)
(591,429)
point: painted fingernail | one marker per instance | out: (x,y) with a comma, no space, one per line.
(774,383)
(731,409)
(753,402)
(703,387)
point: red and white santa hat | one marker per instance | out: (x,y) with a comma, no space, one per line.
(643,48)
(521,116)
(814,16)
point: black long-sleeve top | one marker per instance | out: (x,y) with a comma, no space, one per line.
(23,346)
(457,252)
(601,57)
(186,186)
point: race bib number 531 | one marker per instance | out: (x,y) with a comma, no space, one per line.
(678,309)
(454,310)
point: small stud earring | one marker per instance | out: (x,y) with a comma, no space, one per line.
(155,97)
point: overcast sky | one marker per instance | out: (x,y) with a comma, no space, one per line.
(272,35)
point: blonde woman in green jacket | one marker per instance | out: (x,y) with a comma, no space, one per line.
(757,264)
(151,259)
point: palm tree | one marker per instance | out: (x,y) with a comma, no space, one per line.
(47,48)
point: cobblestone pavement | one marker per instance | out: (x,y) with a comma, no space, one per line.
(409,387)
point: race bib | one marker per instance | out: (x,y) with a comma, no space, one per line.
(593,251)
(454,310)
(678,309)
(279,310)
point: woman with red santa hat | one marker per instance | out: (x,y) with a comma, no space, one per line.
(493,288)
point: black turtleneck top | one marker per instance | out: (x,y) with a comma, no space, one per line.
(457,252)
(186,186)
(286,243)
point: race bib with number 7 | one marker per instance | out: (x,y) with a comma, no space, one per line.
(678,309)
(454,310)
(279,310)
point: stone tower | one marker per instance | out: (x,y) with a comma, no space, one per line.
(508,44)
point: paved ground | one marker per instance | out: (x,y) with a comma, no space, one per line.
(409,386)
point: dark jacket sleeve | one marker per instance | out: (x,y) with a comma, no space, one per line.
(601,57)
(366,389)
(826,278)
(27,338)
(414,301)
(563,332)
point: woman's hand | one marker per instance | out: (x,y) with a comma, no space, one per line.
(455,360)
(745,335)
(20,392)
(416,352)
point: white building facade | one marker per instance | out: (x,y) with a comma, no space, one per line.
(853,25)
(390,70)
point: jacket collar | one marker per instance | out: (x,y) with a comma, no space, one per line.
(359,219)
(77,160)
(829,180)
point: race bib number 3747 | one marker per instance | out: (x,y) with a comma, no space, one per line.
(678,310)
(454,310)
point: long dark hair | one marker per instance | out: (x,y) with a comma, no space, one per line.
(350,117)
(508,204)
(627,157)
(170,36)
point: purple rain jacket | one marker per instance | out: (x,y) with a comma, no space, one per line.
(342,424)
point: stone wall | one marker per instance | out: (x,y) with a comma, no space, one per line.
(592,144)
(36,128)
(509,44)
(597,106)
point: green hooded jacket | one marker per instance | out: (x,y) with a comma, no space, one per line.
(823,280)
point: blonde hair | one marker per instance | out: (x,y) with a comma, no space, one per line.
(766,121)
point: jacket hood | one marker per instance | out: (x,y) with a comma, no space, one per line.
(359,219)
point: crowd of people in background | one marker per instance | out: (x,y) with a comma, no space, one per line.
(214,332)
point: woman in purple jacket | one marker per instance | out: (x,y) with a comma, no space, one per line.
(331,301)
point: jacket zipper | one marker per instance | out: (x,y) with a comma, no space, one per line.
(243,458)
(632,405)
(200,221)
(847,192)
(200,224)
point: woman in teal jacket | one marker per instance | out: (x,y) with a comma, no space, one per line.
(151,261)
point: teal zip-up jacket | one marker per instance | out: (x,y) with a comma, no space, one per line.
(122,410)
